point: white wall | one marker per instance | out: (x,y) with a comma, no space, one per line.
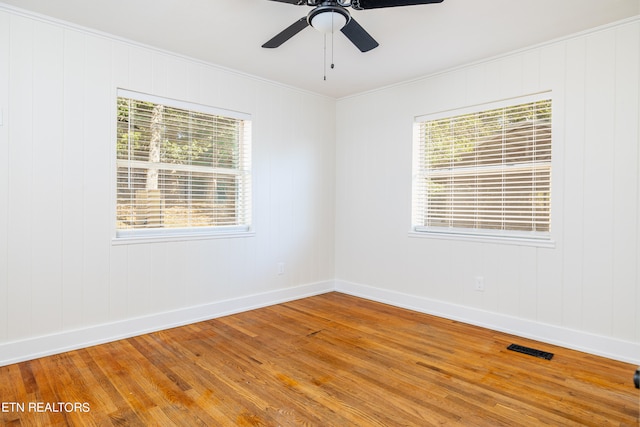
(63,283)
(584,293)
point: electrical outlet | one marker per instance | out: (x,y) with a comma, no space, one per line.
(280,268)
(479,285)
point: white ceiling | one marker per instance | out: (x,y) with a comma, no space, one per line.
(414,40)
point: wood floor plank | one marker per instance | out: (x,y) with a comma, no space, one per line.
(328,360)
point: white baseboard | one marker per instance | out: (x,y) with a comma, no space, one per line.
(611,348)
(33,348)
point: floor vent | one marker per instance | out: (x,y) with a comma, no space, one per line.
(530,351)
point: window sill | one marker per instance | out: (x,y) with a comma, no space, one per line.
(131,237)
(481,238)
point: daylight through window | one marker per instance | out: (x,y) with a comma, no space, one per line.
(486,171)
(181,168)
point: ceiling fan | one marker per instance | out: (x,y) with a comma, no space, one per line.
(330,15)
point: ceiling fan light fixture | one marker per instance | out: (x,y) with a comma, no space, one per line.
(328,20)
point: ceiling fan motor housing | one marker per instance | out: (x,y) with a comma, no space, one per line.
(343,3)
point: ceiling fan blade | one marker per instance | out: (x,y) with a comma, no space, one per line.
(359,36)
(287,33)
(375,4)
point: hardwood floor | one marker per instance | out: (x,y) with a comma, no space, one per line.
(328,360)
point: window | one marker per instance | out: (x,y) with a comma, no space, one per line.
(182,169)
(485,171)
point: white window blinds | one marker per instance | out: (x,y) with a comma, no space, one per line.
(180,167)
(485,172)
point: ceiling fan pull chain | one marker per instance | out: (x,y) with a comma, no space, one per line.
(324,63)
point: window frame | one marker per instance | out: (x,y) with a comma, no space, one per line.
(142,235)
(525,238)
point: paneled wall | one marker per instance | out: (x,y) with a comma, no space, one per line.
(588,284)
(59,269)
